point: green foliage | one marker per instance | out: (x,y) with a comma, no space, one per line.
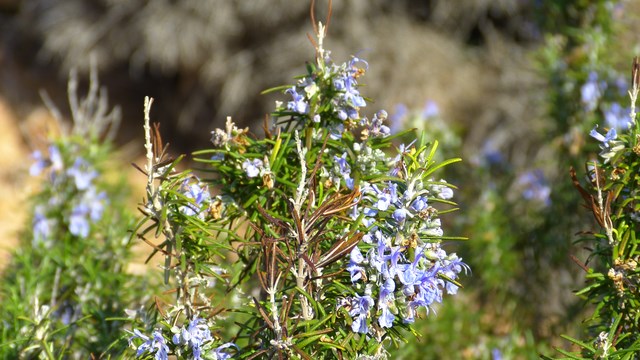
(66,289)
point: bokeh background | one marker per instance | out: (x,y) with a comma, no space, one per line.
(497,82)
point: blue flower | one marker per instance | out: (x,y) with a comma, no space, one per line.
(78,223)
(419,204)
(386,299)
(252,167)
(41,225)
(55,158)
(496,354)
(95,203)
(198,194)
(335,132)
(194,336)
(442,191)
(451,268)
(39,165)
(376,127)
(343,166)
(350,183)
(355,270)
(360,306)
(430,110)
(298,105)
(400,215)
(535,186)
(591,91)
(218,353)
(397,118)
(156,345)
(617,117)
(611,135)
(82,174)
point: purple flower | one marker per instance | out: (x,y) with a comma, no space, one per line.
(610,136)
(252,167)
(428,289)
(446,193)
(298,105)
(387,196)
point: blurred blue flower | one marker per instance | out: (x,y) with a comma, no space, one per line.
(41,225)
(591,91)
(82,174)
(535,186)
(78,222)
(617,117)
(55,158)
(39,165)
(397,118)
(622,86)
(430,110)
(95,203)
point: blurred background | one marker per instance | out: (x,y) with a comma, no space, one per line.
(508,85)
